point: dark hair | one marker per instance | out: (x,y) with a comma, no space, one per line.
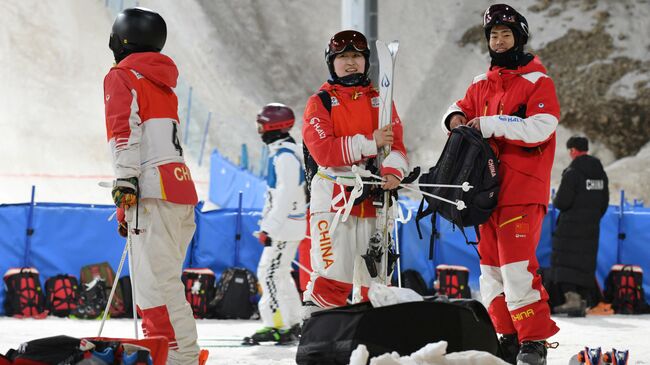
(578,142)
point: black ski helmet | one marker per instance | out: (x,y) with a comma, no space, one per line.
(347,40)
(503,14)
(137,30)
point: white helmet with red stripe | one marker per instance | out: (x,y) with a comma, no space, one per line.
(275,117)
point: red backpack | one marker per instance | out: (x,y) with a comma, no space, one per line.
(624,289)
(24,295)
(61,294)
(453,281)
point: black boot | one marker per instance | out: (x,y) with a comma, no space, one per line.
(532,353)
(509,345)
(270,334)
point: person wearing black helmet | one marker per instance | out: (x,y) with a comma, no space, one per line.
(514,105)
(582,198)
(340,130)
(153,191)
(282,227)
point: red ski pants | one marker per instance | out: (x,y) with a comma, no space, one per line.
(511,288)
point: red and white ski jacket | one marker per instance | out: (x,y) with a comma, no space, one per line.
(525,146)
(143,129)
(343,138)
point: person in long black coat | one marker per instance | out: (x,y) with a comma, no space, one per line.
(582,198)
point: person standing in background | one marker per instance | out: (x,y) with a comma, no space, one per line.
(153,190)
(282,228)
(582,199)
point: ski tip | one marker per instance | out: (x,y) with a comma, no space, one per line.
(203,356)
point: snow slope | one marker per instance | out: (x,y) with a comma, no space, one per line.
(239,55)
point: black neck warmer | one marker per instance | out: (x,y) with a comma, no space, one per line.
(357,79)
(272,136)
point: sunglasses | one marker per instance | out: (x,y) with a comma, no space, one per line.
(342,40)
(500,12)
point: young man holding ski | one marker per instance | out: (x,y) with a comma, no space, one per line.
(282,228)
(338,136)
(515,106)
(153,190)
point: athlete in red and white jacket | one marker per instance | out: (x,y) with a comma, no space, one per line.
(337,140)
(143,132)
(515,106)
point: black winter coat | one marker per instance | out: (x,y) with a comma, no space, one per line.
(582,198)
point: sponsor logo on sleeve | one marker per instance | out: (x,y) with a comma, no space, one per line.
(315,122)
(510,119)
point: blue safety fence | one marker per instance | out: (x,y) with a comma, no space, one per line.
(228,179)
(67,237)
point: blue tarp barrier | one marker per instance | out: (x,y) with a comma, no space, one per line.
(228,179)
(69,236)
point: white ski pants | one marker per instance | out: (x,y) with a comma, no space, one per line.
(280,305)
(158,254)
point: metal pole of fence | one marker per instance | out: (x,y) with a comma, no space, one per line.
(30,230)
(621,234)
(187,118)
(205,137)
(121,5)
(243,159)
(238,224)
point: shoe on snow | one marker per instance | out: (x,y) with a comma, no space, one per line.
(574,305)
(532,353)
(270,334)
(509,346)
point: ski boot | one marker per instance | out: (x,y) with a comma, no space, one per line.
(392,260)
(616,357)
(509,346)
(534,352)
(574,305)
(373,254)
(590,356)
(271,334)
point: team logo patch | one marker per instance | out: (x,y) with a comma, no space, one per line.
(540,105)
(375,102)
(335,101)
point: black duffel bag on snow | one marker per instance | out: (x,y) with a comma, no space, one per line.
(330,336)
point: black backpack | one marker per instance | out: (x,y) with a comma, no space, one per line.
(412,279)
(92,300)
(199,290)
(236,295)
(624,289)
(466,157)
(24,296)
(61,294)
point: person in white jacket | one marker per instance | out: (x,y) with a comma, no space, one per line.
(282,228)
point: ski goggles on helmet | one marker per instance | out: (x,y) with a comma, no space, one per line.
(348,38)
(499,13)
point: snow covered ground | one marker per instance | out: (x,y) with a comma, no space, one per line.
(618,331)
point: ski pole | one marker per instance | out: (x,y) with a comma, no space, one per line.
(131,265)
(460,205)
(110,296)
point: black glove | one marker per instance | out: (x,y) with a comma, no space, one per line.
(125,192)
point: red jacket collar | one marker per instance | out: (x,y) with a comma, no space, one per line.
(154,66)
